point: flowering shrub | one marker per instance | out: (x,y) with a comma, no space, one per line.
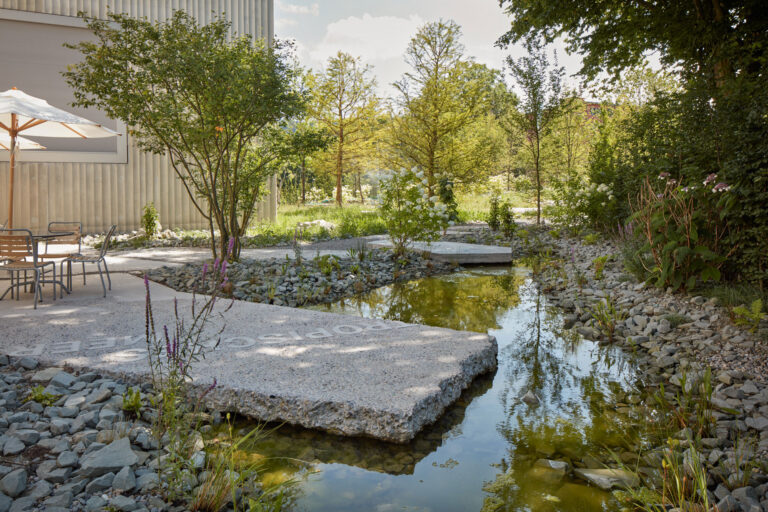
(682,230)
(580,203)
(408,211)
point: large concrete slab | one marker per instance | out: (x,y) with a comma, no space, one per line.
(457,252)
(339,373)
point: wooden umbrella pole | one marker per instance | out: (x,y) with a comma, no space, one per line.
(14,124)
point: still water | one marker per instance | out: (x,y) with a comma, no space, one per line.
(480,455)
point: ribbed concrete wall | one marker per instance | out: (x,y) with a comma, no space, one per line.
(99,194)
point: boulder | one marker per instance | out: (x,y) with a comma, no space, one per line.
(109,459)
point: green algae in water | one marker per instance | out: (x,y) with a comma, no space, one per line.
(481,454)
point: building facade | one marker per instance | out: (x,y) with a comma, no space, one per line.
(106,181)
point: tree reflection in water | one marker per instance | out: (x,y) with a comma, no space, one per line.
(481,453)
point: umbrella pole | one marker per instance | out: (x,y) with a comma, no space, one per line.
(12,165)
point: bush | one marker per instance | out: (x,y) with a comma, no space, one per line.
(150,220)
(408,212)
(507,220)
(494,214)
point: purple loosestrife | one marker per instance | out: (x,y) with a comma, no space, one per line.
(230,247)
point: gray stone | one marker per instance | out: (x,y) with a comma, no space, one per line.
(111,458)
(727,504)
(556,465)
(28,363)
(13,446)
(14,482)
(67,459)
(123,503)
(47,470)
(95,503)
(60,426)
(530,398)
(147,482)
(99,484)
(63,500)
(41,489)
(124,480)
(23,503)
(27,436)
(5,503)
(743,494)
(608,478)
(43,376)
(63,380)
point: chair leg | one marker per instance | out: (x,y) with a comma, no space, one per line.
(104,287)
(83,274)
(109,279)
(53,284)
(38,291)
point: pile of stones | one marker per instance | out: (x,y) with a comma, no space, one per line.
(322,279)
(76,451)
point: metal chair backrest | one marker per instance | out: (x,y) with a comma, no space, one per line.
(17,245)
(107,240)
(76,228)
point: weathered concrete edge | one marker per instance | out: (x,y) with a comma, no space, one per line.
(345,418)
(474,259)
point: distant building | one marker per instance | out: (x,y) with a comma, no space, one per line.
(105,181)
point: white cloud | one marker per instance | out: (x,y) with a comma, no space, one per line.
(379,40)
(313,9)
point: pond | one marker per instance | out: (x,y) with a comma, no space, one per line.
(480,455)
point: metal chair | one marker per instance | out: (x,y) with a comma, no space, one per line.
(101,259)
(16,245)
(65,244)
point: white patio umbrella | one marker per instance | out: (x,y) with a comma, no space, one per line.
(20,112)
(21,143)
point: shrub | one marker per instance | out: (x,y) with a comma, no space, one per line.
(507,220)
(679,230)
(749,316)
(409,213)
(132,402)
(599,264)
(150,220)
(494,214)
(591,239)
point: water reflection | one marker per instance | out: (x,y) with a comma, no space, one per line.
(480,455)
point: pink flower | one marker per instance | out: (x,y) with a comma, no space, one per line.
(710,179)
(721,187)
(663,175)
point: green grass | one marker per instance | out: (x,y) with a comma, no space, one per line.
(475,206)
(735,294)
(350,221)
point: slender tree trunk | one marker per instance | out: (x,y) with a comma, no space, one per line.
(538,180)
(339,166)
(303,180)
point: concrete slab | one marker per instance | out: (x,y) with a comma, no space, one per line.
(457,252)
(343,374)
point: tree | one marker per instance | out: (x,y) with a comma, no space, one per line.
(715,39)
(345,103)
(307,139)
(187,91)
(541,105)
(438,102)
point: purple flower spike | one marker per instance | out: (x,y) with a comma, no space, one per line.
(205,271)
(146,280)
(224,267)
(216,265)
(231,247)
(167,342)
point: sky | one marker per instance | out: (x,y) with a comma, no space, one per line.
(378,31)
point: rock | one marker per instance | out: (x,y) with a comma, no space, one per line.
(62,380)
(147,482)
(530,398)
(14,482)
(22,504)
(67,459)
(47,470)
(43,376)
(95,503)
(13,446)
(124,480)
(99,484)
(60,426)
(607,479)
(109,459)
(63,500)
(27,363)
(123,503)
(27,436)
(5,503)
(727,504)
(40,490)
(556,465)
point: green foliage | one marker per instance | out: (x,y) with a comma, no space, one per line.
(132,402)
(38,394)
(211,102)
(345,104)
(441,122)
(608,316)
(409,212)
(541,105)
(494,215)
(327,263)
(675,320)
(150,220)
(507,220)
(599,264)
(591,239)
(671,221)
(750,316)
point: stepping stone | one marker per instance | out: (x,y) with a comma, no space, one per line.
(608,478)
(457,252)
